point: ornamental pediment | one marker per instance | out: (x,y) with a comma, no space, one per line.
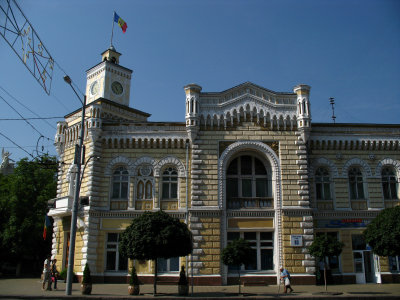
(248,100)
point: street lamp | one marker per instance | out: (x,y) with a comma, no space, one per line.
(74,216)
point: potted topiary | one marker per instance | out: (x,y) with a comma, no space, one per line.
(134,283)
(86,284)
(183,285)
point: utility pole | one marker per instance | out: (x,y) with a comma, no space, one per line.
(74,216)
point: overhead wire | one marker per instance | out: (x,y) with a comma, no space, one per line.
(6,137)
(34,128)
(23,105)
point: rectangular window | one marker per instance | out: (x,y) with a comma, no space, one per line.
(168,265)
(262,250)
(358,242)
(394,263)
(114,261)
(333,261)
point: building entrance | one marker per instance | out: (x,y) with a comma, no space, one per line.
(363,266)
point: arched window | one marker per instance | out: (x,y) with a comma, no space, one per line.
(323,184)
(248,183)
(170,184)
(356,184)
(389,184)
(144,186)
(120,183)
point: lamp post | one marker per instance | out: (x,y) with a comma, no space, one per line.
(74,216)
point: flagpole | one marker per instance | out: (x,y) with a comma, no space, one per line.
(112,31)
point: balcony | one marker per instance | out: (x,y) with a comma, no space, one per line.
(251,203)
(64,202)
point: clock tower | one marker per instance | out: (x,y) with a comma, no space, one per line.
(108,79)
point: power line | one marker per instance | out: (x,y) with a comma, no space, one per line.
(16,145)
(39,118)
(20,115)
(20,103)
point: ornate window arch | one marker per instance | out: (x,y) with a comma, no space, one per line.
(323,183)
(356,161)
(119,170)
(170,160)
(388,162)
(322,161)
(260,147)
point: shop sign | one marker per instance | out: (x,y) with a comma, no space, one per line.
(343,223)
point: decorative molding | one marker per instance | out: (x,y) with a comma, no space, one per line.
(359,162)
(388,162)
(141,161)
(122,160)
(322,161)
(170,160)
(345,214)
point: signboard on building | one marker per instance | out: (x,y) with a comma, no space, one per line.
(343,223)
(296,240)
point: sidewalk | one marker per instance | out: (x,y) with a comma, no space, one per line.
(31,288)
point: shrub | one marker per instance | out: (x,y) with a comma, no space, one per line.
(87,279)
(134,280)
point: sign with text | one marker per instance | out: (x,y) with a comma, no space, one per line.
(296,240)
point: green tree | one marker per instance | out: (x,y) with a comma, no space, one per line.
(237,253)
(325,246)
(156,235)
(23,206)
(383,233)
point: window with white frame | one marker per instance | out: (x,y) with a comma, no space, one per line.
(114,261)
(248,183)
(389,184)
(168,265)
(356,184)
(120,181)
(323,184)
(169,184)
(262,246)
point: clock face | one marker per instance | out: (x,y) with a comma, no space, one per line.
(117,88)
(94,88)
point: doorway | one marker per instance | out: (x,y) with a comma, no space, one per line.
(363,266)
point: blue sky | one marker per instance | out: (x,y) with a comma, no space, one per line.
(346,49)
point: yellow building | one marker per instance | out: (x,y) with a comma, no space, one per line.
(247,162)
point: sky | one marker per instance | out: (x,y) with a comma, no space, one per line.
(346,49)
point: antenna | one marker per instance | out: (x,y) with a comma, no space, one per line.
(332,102)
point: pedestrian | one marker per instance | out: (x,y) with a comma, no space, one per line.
(54,273)
(285,277)
(47,273)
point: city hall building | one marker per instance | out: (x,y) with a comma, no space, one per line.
(247,162)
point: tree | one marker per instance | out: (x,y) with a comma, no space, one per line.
(23,206)
(156,235)
(383,233)
(237,253)
(325,246)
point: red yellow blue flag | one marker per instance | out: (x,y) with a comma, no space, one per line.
(121,23)
(47,225)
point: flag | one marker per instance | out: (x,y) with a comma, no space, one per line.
(121,23)
(47,225)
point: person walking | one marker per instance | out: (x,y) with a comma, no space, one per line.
(285,277)
(54,273)
(47,273)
